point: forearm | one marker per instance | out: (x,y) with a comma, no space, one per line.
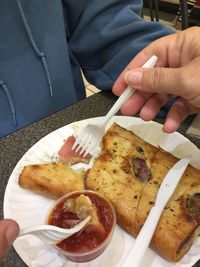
(109,36)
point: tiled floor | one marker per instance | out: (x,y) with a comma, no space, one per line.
(90,89)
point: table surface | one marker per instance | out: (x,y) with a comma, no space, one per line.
(14,146)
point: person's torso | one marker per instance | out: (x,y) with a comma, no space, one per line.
(36,64)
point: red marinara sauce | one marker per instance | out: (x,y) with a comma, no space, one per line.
(89,238)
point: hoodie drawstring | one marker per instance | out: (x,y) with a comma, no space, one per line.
(10,101)
(40,54)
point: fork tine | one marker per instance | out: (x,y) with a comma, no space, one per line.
(84,142)
(90,148)
(80,142)
(78,139)
(86,153)
(84,147)
(75,143)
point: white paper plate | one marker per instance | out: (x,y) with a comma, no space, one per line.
(29,209)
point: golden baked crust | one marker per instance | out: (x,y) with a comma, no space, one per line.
(51,180)
(129,172)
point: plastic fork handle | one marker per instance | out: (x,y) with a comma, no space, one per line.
(48,227)
(128,92)
(137,250)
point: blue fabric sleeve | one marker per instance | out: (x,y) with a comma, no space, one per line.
(105,35)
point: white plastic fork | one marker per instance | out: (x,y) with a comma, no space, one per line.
(52,234)
(90,136)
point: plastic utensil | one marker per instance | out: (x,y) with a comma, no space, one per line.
(52,234)
(90,136)
(168,186)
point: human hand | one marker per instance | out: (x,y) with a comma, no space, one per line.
(9,231)
(177,73)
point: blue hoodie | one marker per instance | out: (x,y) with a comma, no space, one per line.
(44,44)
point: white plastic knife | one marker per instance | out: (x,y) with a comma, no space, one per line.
(167,188)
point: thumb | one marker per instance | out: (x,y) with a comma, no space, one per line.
(9,231)
(155,80)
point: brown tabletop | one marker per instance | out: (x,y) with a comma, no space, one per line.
(14,146)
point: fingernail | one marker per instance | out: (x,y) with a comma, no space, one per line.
(11,234)
(134,77)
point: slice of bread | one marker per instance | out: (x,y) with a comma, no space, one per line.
(128,172)
(52,180)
